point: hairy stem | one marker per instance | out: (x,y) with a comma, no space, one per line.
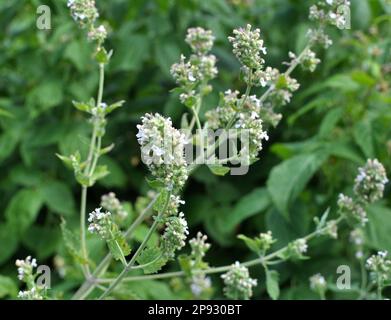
(139,250)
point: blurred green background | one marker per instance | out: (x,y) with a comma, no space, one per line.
(340,116)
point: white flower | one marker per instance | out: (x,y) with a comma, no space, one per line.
(237,281)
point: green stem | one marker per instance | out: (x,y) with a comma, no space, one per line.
(88,285)
(139,250)
(83,244)
(261,260)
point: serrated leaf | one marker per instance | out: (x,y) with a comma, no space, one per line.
(153,257)
(252,244)
(272,286)
(71,242)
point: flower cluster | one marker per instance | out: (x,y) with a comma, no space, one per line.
(84,12)
(112,204)
(370,182)
(32,294)
(173,205)
(369,187)
(238,284)
(162,150)
(27,275)
(175,234)
(351,210)
(248,122)
(284,87)
(296,250)
(100,223)
(380,267)
(247,47)
(329,11)
(199,246)
(200,40)
(318,284)
(308,60)
(265,241)
(200,285)
(192,75)
(26,268)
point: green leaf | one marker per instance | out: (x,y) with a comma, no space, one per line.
(7,287)
(23,209)
(252,203)
(71,242)
(378,229)
(288,179)
(131,53)
(252,244)
(114,106)
(218,170)
(153,257)
(161,201)
(100,172)
(82,106)
(330,121)
(58,197)
(272,287)
(9,237)
(363,135)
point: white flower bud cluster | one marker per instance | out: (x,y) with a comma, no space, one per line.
(265,241)
(300,246)
(27,275)
(320,37)
(284,86)
(100,223)
(98,34)
(26,268)
(238,284)
(351,209)
(379,266)
(369,187)
(173,205)
(112,204)
(318,284)
(357,239)
(247,47)
(199,246)
(248,119)
(84,12)
(200,40)
(175,234)
(162,150)
(308,61)
(200,284)
(32,294)
(370,182)
(328,11)
(193,75)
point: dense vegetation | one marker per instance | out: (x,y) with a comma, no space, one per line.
(339,118)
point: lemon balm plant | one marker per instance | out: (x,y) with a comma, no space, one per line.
(163,152)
